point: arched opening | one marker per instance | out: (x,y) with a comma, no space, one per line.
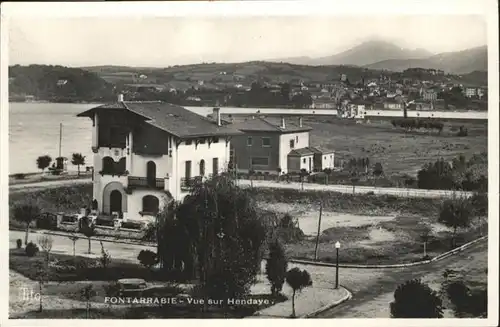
(202,167)
(115,201)
(151,173)
(150,204)
(110,201)
(108,165)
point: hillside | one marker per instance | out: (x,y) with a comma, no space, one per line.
(370,52)
(459,62)
(57,83)
(363,54)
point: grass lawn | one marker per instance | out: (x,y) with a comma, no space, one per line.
(66,268)
(397,151)
(387,242)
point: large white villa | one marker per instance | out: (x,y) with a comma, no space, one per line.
(146,153)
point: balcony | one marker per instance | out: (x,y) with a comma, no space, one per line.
(187,184)
(144,182)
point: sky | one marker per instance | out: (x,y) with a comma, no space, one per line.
(167,41)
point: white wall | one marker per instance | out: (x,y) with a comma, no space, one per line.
(305,165)
(327,160)
(303,142)
(134,203)
(195,154)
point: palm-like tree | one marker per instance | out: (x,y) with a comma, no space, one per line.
(297,279)
(26,213)
(78,160)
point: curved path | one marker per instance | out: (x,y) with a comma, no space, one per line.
(373,289)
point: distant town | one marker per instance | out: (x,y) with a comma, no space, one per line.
(256,85)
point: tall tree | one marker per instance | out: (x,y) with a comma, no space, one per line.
(276,267)
(456,213)
(219,224)
(26,213)
(43,162)
(78,160)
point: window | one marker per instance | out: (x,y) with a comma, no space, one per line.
(266,142)
(325,157)
(260,161)
(292,144)
(202,167)
(304,160)
(249,141)
(187,169)
(189,142)
(150,204)
(215,140)
(297,139)
(215,166)
(201,141)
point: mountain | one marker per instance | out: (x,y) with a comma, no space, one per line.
(363,54)
(458,62)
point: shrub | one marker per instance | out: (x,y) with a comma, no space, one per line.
(31,249)
(19,243)
(132,225)
(456,213)
(147,258)
(413,299)
(19,176)
(276,267)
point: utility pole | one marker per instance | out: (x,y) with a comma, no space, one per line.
(60,138)
(319,230)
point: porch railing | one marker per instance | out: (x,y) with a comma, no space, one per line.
(144,182)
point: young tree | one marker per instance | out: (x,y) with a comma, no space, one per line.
(46,243)
(26,213)
(43,162)
(278,170)
(78,160)
(74,238)
(378,170)
(354,178)
(87,293)
(413,299)
(88,229)
(298,280)
(276,267)
(105,258)
(251,173)
(303,175)
(456,213)
(41,277)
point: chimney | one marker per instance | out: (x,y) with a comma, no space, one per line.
(283,125)
(216,116)
(120,97)
(300,121)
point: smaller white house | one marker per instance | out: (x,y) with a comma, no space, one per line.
(299,159)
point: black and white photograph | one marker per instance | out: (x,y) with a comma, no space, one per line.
(229,160)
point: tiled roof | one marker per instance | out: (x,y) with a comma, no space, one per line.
(318,150)
(259,124)
(301,152)
(173,119)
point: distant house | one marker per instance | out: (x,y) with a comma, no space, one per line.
(323,158)
(145,87)
(423,105)
(62,82)
(392,104)
(266,145)
(323,104)
(429,94)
